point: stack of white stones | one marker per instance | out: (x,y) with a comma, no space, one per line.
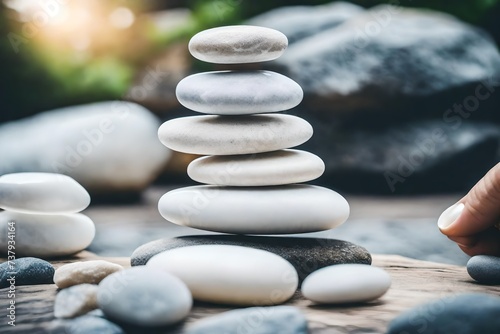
(41,216)
(251,173)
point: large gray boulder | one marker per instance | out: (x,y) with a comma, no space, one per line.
(394,60)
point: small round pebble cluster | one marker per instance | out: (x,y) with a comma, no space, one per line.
(41,215)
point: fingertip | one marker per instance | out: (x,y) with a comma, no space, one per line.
(450,216)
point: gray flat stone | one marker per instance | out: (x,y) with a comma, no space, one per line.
(305,254)
(484,269)
(26,271)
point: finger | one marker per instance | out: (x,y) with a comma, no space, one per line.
(487,243)
(476,211)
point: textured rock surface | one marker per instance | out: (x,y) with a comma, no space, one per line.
(388,58)
(91,272)
(305,254)
(255,320)
(484,269)
(87,324)
(300,22)
(421,156)
(25,271)
(227,135)
(460,314)
(106,146)
(75,300)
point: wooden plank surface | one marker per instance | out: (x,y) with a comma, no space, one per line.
(414,282)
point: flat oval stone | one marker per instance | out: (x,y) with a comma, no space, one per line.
(228,135)
(26,271)
(458,314)
(238,92)
(91,272)
(42,193)
(305,254)
(144,296)
(262,169)
(484,269)
(238,44)
(46,235)
(230,274)
(255,320)
(346,283)
(253,210)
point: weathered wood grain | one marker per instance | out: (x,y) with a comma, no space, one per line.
(414,282)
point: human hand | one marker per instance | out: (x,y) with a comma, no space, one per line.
(474,221)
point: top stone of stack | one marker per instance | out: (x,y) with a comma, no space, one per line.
(238,45)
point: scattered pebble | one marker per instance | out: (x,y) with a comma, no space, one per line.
(75,300)
(42,193)
(238,44)
(87,324)
(144,296)
(91,272)
(230,274)
(25,271)
(485,269)
(346,283)
(254,320)
(462,314)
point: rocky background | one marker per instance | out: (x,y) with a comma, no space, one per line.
(403,100)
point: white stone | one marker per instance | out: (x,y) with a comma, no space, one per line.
(91,272)
(105,146)
(42,193)
(230,274)
(145,297)
(238,92)
(262,169)
(238,44)
(255,210)
(75,301)
(226,135)
(346,283)
(45,235)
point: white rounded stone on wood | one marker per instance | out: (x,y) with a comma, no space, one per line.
(230,274)
(91,272)
(42,193)
(346,283)
(238,92)
(144,296)
(228,135)
(238,44)
(261,169)
(46,235)
(255,210)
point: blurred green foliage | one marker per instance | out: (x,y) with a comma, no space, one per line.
(38,77)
